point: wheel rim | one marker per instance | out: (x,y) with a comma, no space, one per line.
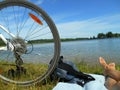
(17,19)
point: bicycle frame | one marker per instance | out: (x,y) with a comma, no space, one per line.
(8,46)
(3,28)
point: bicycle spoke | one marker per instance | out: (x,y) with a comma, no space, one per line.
(22,18)
(30,29)
(37,31)
(18,20)
(39,35)
(15,19)
(4,19)
(24,22)
(7,22)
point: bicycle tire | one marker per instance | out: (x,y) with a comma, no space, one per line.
(55,34)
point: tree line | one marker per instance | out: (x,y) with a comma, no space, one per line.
(108,35)
(99,36)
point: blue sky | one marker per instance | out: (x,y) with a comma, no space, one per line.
(83,18)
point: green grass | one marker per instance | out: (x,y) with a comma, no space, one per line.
(33,70)
(88,68)
(83,66)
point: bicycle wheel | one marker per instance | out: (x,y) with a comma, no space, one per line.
(35,39)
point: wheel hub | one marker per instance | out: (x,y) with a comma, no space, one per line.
(19,46)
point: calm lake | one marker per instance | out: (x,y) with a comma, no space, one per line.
(91,50)
(85,50)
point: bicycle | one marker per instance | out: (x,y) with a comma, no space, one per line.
(29,42)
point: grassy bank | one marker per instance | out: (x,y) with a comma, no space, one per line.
(83,66)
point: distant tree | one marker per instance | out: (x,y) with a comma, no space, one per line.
(116,35)
(90,38)
(94,37)
(101,35)
(109,35)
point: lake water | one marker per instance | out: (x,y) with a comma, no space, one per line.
(91,50)
(86,50)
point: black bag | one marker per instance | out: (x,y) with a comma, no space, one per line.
(67,72)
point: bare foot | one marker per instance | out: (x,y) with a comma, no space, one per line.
(113,82)
(107,67)
(109,83)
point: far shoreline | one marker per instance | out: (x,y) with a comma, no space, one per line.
(44,41)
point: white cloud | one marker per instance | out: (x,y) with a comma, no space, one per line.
(90,27)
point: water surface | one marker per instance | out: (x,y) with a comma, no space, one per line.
(91,50)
